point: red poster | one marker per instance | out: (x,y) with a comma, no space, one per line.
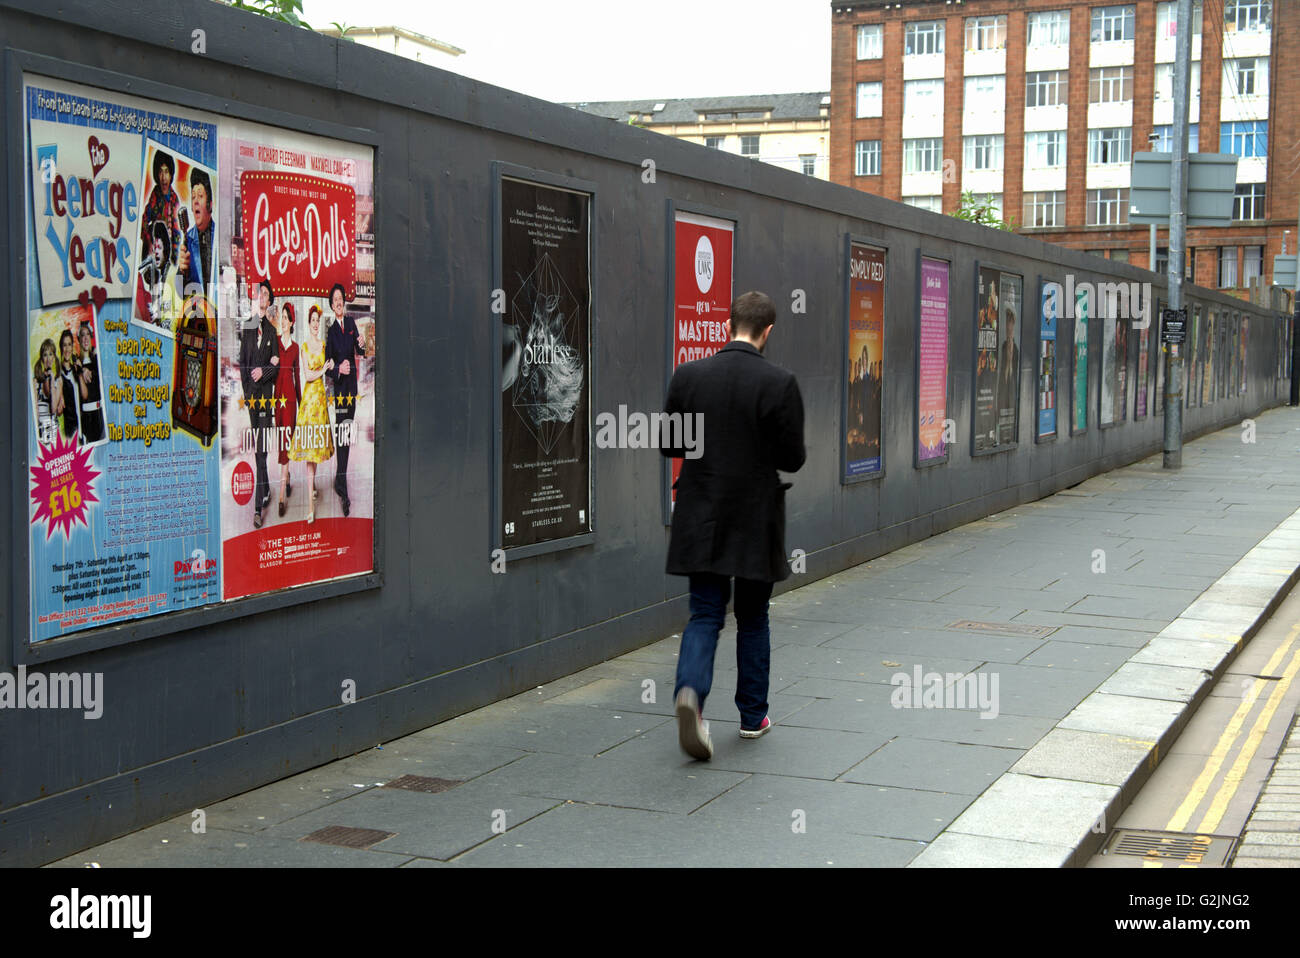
(701,290)
(299,232)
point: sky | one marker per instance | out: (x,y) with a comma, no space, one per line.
(586,50)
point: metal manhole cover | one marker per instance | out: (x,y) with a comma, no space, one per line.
(1208,850)
(1003,628)
(347,837)
(421,783)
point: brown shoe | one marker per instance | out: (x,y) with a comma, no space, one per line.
(281,508)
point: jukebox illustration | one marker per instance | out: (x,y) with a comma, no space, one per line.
(194,375)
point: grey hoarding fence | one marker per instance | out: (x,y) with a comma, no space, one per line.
(207,701)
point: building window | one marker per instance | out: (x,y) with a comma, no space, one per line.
(808,164)
(1118,255)
(985,94)
(984,153)
(1045,150)
(1252,264)
(1107,207)
(1167,19)
(749,144)
(866,158)
(1227,267)
(1163,88)
(1246,76)
(1249,138)
(1049,29)
(920,39)
(1112,23)
(1045,89)
(869,42)
(869,99)
(1164,138)
(922,97)
(1045,208)
(986,33)
(713,142)
(1162,262)
(932,203)
(1110,85)
(923,156)
(1248,202)
(1111,145)
(1247,15)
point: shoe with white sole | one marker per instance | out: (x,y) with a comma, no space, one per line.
(692,730)
(764,727)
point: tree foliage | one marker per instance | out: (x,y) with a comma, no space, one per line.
(983,212)
(286,11)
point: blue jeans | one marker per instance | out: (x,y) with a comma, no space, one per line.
(709,596)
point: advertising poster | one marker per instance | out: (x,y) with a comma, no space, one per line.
(1161,354)
(122,506)
(1049,316)
(1109,369)
(1211,362)
(1121,370)
(932,363)
(1141,399)
(1245,335)
(1192,386)
(1079,391)
(546,376)
(866,360)
(297,358)
(986,361)
(702,294)
(1008,366)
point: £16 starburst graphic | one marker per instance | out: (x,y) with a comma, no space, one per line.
(63,486)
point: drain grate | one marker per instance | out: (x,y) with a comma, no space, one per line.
(347,837)
(421,783)
(1003,628)
(1208,850)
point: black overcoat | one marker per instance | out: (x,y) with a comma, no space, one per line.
(730,513)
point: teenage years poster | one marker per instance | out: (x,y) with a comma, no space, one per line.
(865,360)
(545,469)
(122,508)
(932,363)
(702,270)
(298,358)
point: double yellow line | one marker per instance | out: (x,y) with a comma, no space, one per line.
(1232,780)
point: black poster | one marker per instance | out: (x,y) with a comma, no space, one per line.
(546,358)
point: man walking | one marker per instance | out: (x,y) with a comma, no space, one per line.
(729,519)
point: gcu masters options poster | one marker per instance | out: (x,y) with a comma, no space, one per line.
(131,305)
(545,469)
(702,271)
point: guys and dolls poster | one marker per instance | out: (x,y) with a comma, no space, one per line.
(298,358)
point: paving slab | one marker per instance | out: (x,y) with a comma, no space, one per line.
(954,850)
(934,766)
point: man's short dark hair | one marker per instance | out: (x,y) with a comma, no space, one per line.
(342,292)
(751,313)
(161,159)
(269,291)
(199,177)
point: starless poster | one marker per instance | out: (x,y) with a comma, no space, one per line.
(702,272)
(988,322)
(1049,316)
(122,506)
(866,360)
(1082,302)
(546,376)
(932,362)
(298,358)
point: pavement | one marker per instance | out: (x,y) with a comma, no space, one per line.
(1272,836)
(992,696)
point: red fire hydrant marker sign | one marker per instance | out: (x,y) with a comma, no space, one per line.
(62,486)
